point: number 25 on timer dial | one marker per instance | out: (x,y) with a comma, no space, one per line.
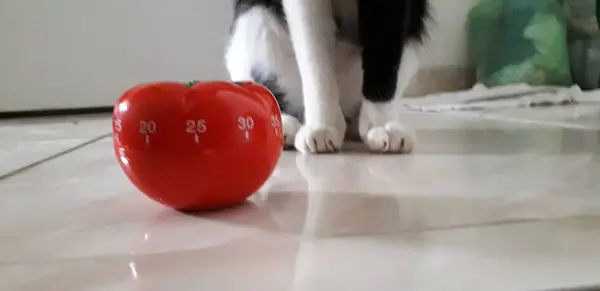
(196,128)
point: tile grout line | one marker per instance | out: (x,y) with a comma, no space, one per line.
(52,157)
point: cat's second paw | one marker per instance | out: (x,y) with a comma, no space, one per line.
(391,138)
(315,140)
(382,131)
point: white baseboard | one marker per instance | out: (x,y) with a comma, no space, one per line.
(441,79)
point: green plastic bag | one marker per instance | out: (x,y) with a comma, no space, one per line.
(519,41)
(583,37)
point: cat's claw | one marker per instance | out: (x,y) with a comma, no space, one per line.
(391,138)
(318,140)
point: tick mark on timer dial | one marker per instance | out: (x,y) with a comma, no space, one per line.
(147,128)
(246,124)
(196,128)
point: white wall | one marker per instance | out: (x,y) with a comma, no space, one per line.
(81,53)
(447,45)
(84,53)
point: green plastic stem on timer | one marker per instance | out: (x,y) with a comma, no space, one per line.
(190,84)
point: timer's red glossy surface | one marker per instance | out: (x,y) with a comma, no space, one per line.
(196,146)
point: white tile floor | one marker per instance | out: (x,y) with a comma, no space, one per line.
(505,200)
(25,142)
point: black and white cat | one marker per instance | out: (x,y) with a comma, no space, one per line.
(333,65)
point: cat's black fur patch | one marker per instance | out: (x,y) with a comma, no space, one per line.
(242,6)
(386,27)
(270,81)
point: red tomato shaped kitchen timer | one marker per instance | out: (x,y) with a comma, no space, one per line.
(198,145)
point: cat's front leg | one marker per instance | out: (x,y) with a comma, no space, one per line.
(380,124)
(312,30)
(389,61)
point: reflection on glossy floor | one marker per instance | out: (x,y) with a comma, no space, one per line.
(506,200)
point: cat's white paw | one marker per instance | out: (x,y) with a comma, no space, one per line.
(391,138)
(319,140)
(291,125)
(381,130)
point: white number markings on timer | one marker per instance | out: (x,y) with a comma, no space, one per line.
(147,128)
(246,124)
(276,124)
(196,127)
(118,125)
